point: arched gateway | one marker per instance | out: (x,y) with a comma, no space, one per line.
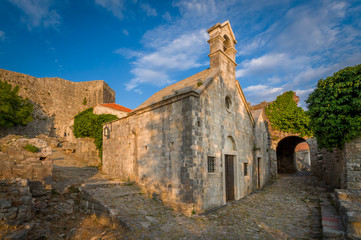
(290,161)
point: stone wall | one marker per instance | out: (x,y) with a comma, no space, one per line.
(86,150)
(263,153)
(340,168)
(166,149)
(58,99)
(152,148)
(177,143)
(15,161)
(219,131)
(83,148)
(276,135)
(303,161)
(16,203)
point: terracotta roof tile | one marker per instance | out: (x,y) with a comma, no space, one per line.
(302,147)
(116,107)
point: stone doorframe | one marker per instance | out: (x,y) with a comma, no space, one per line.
(236,174)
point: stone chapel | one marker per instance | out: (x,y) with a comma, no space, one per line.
(194,144)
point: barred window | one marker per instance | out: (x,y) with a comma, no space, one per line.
(245,169)
(211,164)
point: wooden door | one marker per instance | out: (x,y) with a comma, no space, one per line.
(229,177)
(258,172)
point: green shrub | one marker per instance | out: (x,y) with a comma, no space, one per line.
(335,108)
(284,115)
(88,124)
(14,110)
(32,148)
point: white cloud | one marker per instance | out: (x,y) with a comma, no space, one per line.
(310,74)
(155,67)
(311,28)
(117,7)
(266,93)
(2,35)
(166,16)
(148,10)
(307,41)
(197,7)
(38,13)
(274,80)
(269,64)
(128,53)
(180,54)
(263,89)
(144,75)
(125,32)
(246,49)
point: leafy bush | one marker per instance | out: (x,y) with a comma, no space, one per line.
(284,115)
(14,110)
(335,108)
(31,148)
(88,124)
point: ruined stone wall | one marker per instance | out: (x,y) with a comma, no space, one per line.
(15,161)
(86,150)
(276,135)
(262,149)
(340,168)
(16,203)
(352,154)
(154,148)
(58,98)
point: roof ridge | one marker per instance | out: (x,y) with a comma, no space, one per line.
(192,83)
(116,107)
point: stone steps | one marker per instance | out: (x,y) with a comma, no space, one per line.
(348,203)
(331,220)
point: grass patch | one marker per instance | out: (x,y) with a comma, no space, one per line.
(31,148)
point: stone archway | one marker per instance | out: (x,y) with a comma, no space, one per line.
(286,162)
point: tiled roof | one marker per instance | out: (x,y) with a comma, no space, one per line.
(116,107)
(196,83)
(302,147)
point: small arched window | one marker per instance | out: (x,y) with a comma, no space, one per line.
(230,145)
(228,102)
(226,43)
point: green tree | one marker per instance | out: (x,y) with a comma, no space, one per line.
(88,124)
(284,115)
(335,108)
(14,110)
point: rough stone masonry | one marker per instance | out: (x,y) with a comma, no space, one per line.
(194,143)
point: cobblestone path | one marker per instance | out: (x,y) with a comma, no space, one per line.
(287,209)
(69,170)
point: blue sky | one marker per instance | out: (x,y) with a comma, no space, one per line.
(139,47)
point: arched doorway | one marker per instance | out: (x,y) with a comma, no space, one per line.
(230,170)
(290,161)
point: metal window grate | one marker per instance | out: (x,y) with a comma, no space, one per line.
(211,164)
(245,169)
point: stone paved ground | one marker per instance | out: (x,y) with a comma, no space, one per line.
(69,170)
(287,209)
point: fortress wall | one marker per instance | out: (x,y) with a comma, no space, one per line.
(58,98)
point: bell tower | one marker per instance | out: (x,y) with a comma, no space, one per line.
(221,43)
